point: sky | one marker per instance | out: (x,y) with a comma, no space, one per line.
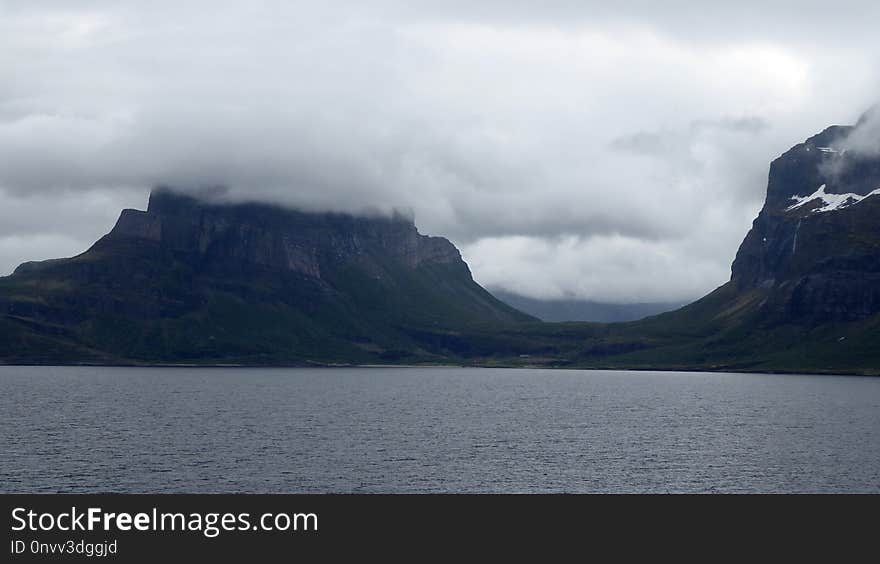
(614,152)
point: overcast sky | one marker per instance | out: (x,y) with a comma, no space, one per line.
(614,151)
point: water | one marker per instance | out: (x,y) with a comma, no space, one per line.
(79,429)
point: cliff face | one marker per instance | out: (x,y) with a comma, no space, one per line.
(276,238)
(191,280)
(815,246)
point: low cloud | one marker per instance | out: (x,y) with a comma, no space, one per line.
(636,146)
(864,140)
(851,168)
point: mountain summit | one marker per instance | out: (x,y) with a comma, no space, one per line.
(192,281)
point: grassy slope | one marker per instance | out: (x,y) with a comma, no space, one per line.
(723,331)
(402,315)
(164,310)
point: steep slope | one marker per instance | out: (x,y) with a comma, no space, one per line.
(190,281)
(815,246)
(804,292)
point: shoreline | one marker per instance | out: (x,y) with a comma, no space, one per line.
(728,370)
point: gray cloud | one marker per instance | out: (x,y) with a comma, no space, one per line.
(633,143)
(846,165)
(864,140)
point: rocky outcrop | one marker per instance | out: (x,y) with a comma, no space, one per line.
(277,238)
(814,248)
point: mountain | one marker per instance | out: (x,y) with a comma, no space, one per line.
(804,293)
(814,250)
(192,281)
(582,310)
(198,282)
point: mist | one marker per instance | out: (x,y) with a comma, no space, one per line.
(569,150)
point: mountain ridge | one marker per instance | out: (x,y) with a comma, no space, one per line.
(198,282)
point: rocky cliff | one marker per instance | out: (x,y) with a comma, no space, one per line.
(277,238)
(815,246)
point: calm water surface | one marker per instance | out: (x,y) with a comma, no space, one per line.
(434,430)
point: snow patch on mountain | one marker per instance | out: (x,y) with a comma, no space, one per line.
(830,202)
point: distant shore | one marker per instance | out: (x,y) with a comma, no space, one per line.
(729,370)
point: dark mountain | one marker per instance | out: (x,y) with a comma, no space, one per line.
(804,292)
(189,281)
(582,310)
(814,250)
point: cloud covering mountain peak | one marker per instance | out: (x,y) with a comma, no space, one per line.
(575,130)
